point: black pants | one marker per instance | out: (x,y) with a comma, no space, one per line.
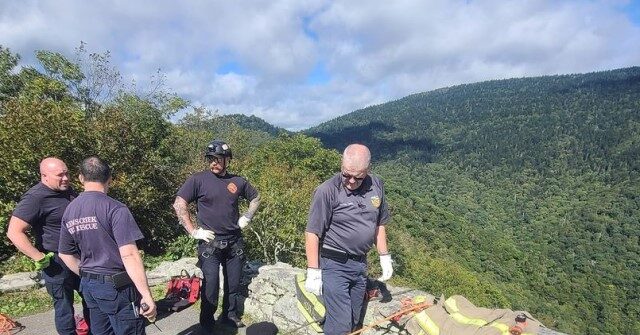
(232,260)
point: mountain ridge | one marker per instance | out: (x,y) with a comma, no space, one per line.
(527,185)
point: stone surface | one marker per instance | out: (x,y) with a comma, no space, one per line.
(20,281)
(165,270)
(272,297)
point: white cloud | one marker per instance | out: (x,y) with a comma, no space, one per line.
(371,51)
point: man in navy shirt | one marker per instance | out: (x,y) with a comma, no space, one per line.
(348,215)
(217,194)
(40,210)
(98,242)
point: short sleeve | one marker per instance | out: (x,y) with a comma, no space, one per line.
(249,192)
(67,244)
(124,226)
(188,191)
(383,214)
(320,212)
(28,209)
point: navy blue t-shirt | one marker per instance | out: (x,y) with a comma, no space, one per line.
(42,208)
(94,227)
(217,199)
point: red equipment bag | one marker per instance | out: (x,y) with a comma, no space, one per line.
(182,291)
(184,286)
(82,328)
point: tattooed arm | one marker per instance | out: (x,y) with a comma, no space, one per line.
(182,212)
(253,207)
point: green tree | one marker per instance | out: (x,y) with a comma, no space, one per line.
(285,171)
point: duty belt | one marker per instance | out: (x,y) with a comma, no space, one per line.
(120,279)
(96,276)
(341,256)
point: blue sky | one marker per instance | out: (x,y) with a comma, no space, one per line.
(299,63)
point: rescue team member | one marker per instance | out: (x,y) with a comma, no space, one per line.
(217,192)
(348,214)
(98,241)
(40,210)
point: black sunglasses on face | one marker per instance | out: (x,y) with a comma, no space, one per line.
(348,177)
(215,159)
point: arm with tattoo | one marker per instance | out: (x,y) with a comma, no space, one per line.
(182,212)
(253,207)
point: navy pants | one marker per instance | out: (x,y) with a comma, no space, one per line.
(60,283)
(232,260)
(343,289)
(112,311)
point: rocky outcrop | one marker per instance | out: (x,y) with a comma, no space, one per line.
(20,281)
(272,297)
(271,293)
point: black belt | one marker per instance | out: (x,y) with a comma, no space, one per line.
(342,255)
(97,276)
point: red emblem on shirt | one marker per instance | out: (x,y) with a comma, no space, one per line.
(232,188)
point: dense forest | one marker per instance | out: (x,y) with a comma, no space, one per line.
(529,188)
(520,193)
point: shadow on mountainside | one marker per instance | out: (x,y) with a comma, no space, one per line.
(384,140)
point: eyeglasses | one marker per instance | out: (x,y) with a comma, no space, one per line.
(215,159)
(348,177)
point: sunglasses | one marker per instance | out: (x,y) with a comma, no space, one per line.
(348,177)
(215,159)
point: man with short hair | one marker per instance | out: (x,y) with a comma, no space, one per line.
(98,242)
(40,210)
(217,193)
(348,215)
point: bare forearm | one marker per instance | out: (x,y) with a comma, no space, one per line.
(135,269)
(72,262)
(182,212)
(253,207)
(381,240)
(16,232)
(311,243)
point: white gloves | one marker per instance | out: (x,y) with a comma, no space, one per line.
(203,234)
(387,267)
(313,283)
(243,222)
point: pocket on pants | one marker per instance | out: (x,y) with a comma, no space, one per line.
(105,294)
(105,297)
(56,291)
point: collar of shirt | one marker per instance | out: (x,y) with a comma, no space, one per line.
(361,191)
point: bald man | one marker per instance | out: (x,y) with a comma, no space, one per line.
(348,215)
(40,210)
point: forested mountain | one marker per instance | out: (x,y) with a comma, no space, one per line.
(253,123)
(521,192)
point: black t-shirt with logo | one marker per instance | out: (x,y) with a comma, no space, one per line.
(42,208)
(94,227)
(217,199)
